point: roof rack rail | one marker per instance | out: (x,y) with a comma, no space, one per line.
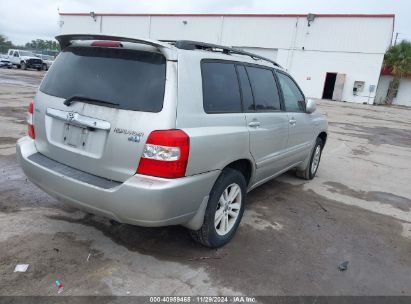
(196,45)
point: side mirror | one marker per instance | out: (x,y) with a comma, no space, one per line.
(311,106)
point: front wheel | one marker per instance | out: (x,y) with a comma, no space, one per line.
(23,66)
(224,210)
(312,167)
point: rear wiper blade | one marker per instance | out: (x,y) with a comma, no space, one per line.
(73,99)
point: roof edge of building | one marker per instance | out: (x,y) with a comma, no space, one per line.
(232,15)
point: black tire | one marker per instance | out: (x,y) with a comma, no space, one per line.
(308,173)
(45,67)
(19,66)
(39,69)
(23,66)
(207,235)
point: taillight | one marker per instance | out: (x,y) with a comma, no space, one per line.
(30,125)
(165,154)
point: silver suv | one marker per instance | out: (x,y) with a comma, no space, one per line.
(157,133)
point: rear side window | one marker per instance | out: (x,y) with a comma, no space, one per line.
(221,93)
(135,80)
(266,97)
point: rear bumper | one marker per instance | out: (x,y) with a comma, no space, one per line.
(141,200)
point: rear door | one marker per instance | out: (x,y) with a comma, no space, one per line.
(300,123)
(267,123)
(118,96)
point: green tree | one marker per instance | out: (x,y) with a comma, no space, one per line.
(40,44)
(398,60)
(5,44)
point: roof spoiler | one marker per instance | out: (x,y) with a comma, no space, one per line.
(165,48)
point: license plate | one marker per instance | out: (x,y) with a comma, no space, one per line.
(75,136)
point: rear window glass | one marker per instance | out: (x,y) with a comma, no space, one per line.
(265,90)
(221,93)
(135,80)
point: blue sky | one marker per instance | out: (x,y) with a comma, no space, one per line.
(24,20)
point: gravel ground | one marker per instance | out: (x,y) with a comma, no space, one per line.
(292,239)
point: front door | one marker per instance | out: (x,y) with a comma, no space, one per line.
(16,58)
(300,123)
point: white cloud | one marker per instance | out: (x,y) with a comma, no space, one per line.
(24,20)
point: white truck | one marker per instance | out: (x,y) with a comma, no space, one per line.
(24,60)
(47,60)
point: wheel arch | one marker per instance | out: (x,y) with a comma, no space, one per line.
(323,135)
(245,166)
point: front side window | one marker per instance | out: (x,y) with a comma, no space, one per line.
(221,93)
(293,98)
(263,84)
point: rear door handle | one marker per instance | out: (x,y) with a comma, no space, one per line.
(254,124)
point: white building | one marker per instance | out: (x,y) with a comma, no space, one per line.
(403,94)
(335,57)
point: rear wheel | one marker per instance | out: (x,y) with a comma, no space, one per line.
(224,210)
(312,167)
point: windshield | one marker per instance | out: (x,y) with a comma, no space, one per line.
(26,53)
(135,80)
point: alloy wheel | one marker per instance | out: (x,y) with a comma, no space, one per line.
(228,209)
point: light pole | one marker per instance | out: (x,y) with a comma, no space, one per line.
(396,37)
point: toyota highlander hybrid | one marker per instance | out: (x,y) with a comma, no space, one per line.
(155,133)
